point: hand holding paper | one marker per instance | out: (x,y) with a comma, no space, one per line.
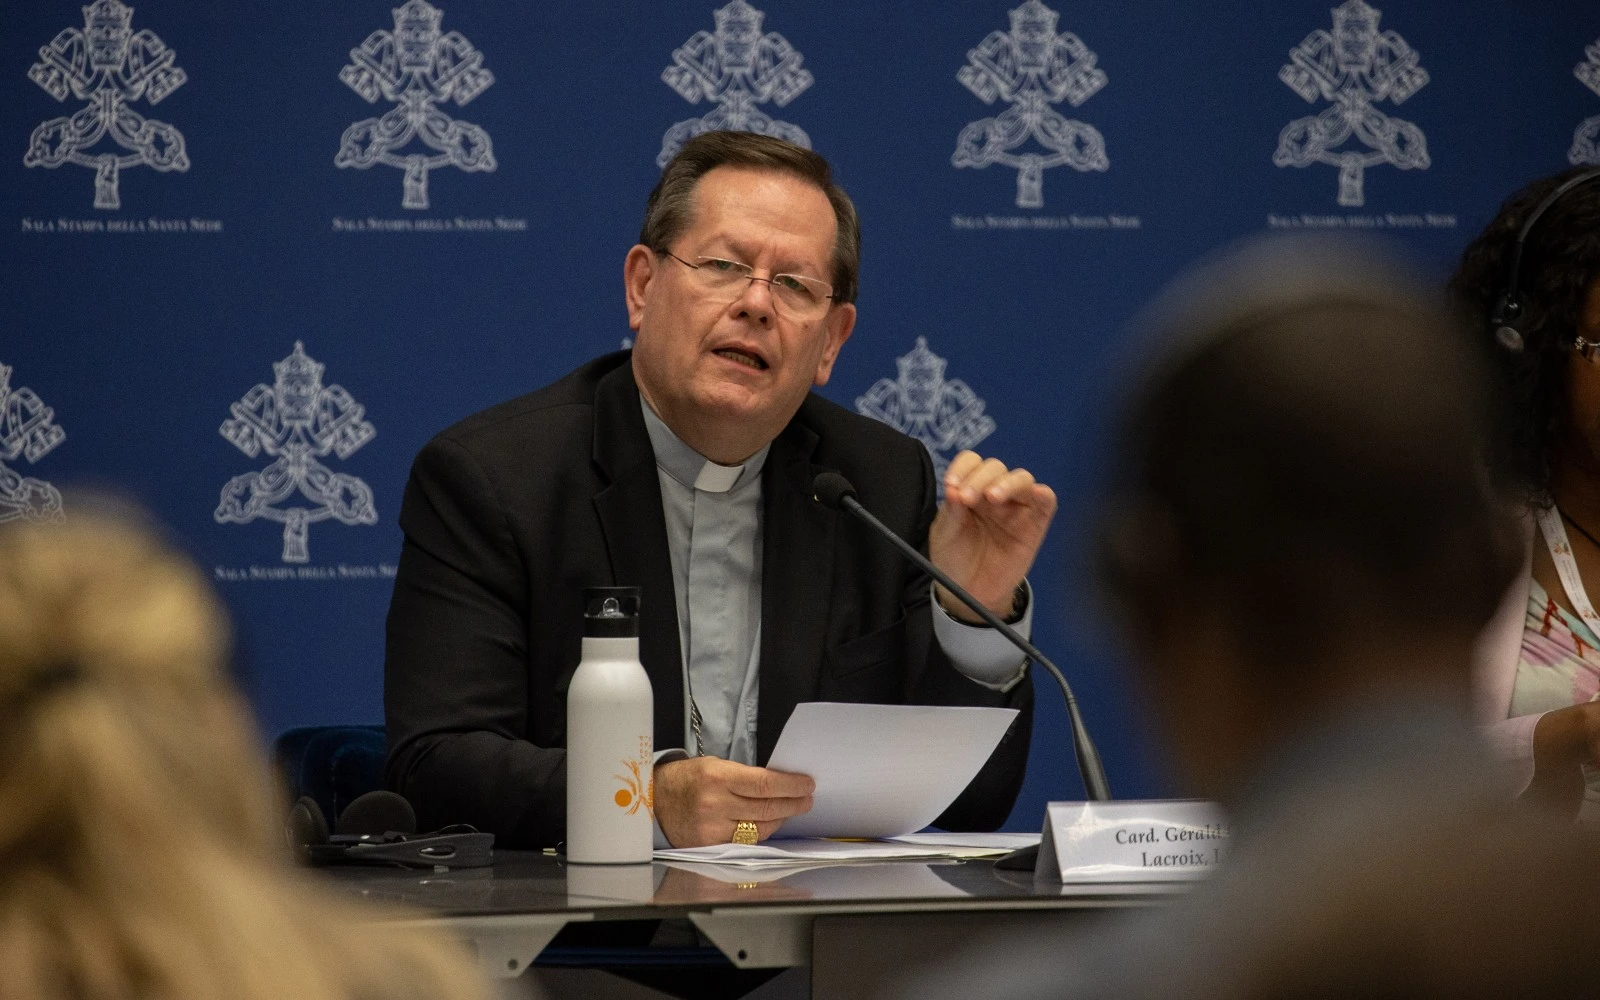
(700,800)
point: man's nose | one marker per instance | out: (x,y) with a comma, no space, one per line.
(755,302)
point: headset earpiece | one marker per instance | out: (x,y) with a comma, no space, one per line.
(1504,322)
(1508,307)
(306,826)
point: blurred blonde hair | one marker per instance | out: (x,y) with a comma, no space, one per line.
(141,852)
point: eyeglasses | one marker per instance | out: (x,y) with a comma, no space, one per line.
(796,295)
(1587,348)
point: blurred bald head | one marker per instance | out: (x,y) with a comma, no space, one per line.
(1299,478)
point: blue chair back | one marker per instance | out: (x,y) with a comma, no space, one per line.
(331,764)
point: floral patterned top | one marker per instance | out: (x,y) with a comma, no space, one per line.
(1560,661)
(1559,666)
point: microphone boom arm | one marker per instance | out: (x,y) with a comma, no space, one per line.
(1089,765)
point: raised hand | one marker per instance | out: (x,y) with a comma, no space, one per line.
(987,534)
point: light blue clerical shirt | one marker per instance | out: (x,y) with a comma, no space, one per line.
(713,520)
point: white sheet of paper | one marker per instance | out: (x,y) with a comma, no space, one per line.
(898,878)
(883,770)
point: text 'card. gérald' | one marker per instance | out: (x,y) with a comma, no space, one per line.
(1148,841)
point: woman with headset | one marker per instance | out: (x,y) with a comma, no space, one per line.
(1533,275)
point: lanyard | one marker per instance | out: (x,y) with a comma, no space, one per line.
(1555,538)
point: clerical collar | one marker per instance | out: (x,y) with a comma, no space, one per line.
(691,468)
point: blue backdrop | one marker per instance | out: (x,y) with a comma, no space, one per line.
(436,203)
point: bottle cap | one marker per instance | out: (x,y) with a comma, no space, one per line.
(611,612)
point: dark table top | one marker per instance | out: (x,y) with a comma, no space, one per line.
(526,882)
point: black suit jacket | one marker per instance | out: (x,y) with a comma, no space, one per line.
(511,513)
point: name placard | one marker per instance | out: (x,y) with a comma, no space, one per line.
(1153,840)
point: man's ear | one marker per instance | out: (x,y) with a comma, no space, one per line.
(841,320)
(638,268)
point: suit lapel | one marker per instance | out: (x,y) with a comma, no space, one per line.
(635,531)
(796,583)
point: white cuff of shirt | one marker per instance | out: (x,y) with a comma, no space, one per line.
(983,655)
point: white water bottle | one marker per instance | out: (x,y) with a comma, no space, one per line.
(610,737)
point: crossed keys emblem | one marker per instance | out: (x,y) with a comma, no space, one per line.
(735,68)
(297,420)
(1355,66)
(1586,137)
(109,66)
(27,430)
(1031,68)
(944,414)
(416,67)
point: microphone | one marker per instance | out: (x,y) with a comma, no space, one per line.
(835,492)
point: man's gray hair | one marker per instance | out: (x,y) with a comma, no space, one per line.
(668,211)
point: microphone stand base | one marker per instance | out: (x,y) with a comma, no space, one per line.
(1024,859)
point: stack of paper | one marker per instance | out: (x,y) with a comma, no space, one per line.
(830,880)
(785,853)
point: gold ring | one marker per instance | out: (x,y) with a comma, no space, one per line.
(744,833)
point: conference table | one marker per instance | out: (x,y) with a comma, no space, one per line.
(669,929)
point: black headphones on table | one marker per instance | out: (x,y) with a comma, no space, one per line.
(1508,308)
(379,828)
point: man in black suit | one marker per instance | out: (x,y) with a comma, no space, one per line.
(685,467)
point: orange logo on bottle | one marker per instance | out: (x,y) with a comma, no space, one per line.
(635,792)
